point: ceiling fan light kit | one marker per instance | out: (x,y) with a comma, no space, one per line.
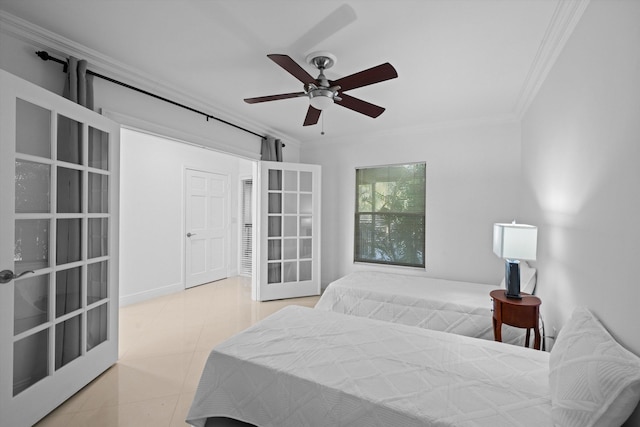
(321,99)
(323,93)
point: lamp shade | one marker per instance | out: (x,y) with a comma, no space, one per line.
(321,99)
(515,241)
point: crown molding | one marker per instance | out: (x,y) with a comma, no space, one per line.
(63,47)
(564,20)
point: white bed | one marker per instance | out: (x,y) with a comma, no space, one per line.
(305,367)
(462,308)
(302,367)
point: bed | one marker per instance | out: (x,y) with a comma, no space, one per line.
(462,308)
(305,367)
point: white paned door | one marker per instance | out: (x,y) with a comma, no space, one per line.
(207,226)
(287,256)
(59,249)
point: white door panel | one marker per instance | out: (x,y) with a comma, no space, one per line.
(58,222)
(207,227)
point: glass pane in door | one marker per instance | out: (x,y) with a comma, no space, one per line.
(68,290)
(290,180)
(290,226)
(275,226)
(98,237)
(31,247)
(290,271)
(306,248)
(69,190)
(275,203)
(275,179)
(274,271)
(30,360)
(96,326)
(306,204)
(69,140)
(290,203)
(98,149)
(67,341)
(98,193)
(274,249)
(290,248)
(30,302)
(97,275)
(306,224)
(305,270)
(33,129)
(33,187)
(306,181)
(68,240)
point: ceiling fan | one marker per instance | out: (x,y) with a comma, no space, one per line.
(322,92)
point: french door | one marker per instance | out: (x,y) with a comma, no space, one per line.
(206,225)
(287,256)
(59,249)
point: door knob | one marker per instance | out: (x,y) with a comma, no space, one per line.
(191,234)
(7,275)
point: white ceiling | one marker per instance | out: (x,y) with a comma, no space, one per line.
(458,60)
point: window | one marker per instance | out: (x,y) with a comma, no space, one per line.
(390,215)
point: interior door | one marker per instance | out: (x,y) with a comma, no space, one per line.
(59,249)
(287,256)
(206,225)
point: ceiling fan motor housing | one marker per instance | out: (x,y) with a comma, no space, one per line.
(322,60)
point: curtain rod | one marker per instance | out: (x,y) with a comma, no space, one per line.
(46,57)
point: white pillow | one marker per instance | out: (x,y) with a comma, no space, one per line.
(527,278)
(594,381)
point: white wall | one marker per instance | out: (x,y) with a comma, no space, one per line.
(581,179)
(473,174)
(152,211)
(581,151)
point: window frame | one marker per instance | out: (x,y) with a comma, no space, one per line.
(420,216)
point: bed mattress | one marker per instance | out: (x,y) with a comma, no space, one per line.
(462,308)
(306,367)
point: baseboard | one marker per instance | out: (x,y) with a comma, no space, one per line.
(151,293)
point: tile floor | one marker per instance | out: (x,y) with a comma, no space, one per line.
(164,344)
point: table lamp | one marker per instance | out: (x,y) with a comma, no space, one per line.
(514,242)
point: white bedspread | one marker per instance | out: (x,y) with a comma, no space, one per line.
(461,308)
(306,367)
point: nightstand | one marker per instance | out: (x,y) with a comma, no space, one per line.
(521,313)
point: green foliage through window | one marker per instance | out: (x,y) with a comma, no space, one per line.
(390,215)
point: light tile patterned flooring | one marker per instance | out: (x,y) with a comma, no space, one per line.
(164,344)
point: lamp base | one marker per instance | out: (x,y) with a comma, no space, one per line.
(512,279)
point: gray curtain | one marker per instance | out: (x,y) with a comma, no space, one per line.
(78,85)
(271,149)
(79,89)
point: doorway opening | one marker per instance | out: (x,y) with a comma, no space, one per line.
(246,227)
(153,231)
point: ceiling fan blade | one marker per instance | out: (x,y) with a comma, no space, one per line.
(274,97)
(313,114)
(367,77)
(292,67)
(360,106)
